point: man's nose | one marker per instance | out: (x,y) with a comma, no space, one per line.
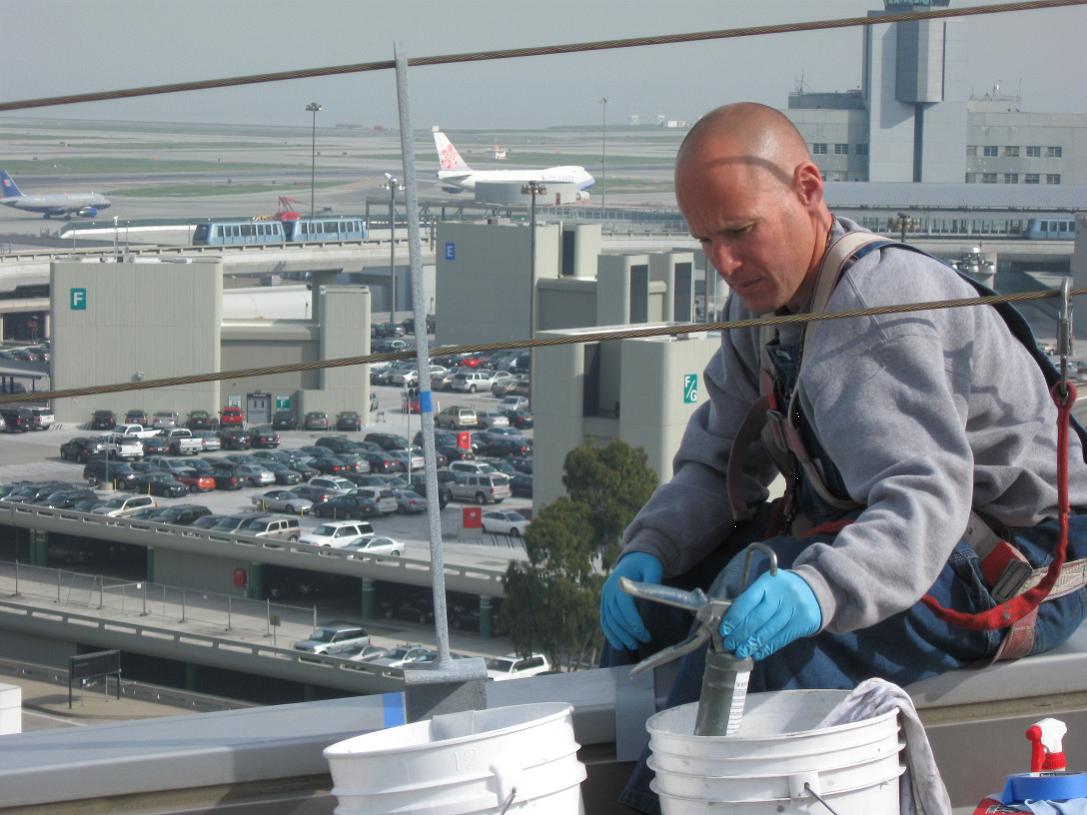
(722,257)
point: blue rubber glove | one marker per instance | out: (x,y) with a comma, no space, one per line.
(774,611)
(618,615)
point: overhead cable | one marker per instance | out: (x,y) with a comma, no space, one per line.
(540,342)
(540,51)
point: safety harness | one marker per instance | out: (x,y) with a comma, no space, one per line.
(1015,585)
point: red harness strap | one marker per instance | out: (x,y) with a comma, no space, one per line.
(1017,608)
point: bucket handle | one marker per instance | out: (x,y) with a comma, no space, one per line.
(507,775)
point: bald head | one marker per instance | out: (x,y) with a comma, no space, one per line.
(745,133)
(752,196)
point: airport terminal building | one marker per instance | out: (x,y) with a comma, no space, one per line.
(915,119)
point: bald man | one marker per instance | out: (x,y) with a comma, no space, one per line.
(918,427)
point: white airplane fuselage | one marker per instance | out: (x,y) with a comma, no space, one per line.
(467,179)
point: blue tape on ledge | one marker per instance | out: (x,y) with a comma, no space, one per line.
(426,402)
(393,707)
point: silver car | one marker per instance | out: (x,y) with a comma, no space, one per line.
(282,501)
(255,474)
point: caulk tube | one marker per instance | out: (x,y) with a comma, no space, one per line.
(724,692)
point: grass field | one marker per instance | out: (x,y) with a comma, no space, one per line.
(200,190)
(126,166)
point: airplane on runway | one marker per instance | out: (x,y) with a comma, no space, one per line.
(85,204)
(457,176)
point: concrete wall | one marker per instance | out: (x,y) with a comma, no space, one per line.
(483,288)
(645,376)
(197,572)
(565,303)
(344,332)
(252,344)
(141,320)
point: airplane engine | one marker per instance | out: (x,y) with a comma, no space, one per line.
(582,196)
(88,212)
(446,188)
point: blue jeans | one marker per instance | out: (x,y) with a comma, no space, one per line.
(905,648)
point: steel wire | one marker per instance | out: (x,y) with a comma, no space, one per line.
(540,342)
(537,51)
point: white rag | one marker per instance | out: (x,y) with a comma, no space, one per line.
(921,789)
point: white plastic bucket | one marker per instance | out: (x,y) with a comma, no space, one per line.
(463,763)
(764,767)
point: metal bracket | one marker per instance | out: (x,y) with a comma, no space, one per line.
(1065,336)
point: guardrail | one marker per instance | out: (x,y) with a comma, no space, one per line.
(410,571)
(59,252)
(272,660)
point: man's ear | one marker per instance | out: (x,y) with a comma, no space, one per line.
(808,183)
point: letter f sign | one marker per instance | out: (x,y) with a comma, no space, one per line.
(78,300)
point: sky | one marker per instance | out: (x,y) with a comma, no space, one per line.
(55,47)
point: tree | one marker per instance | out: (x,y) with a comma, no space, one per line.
(614,481)
(552,600)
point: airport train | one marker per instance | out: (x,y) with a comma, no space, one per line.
(1051,229)
(303,230)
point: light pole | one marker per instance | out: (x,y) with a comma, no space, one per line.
(313,107)
(392,185)
(603,152)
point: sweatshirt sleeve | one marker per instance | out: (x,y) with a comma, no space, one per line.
(889,403)
(689,516)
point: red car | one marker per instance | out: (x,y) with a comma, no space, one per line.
(196,482)
(231,417)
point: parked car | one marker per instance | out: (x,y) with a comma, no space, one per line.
(348,420)
(201,420)
(358,653)
(181,442)
(521,485)
(210,440)
(317,495)
(381,462)
(263,435)
(490,418)
(333,635)
(457,417)
(233,438)
(272,526)
(41,418)
(137,416)
(383,496)
(520,419)
(231,416)
(103,471)
(155,445)
(284,420)
(339,486)
(410,502)
(406,655)
(483,488)
(126,448)
(81,448)
(164,419)
(472,467)
(387,441)
(162,484)
(316,420)
(513,666)
(103,420)
(338,534)
(472,381)
(227,478)
(282,501)
(375,546)
(513,403)
(329,465)
(196,482)
(337,445)
(347,506)
(505,522)
(507,447)
(180,514)
(284,474)
(120,506)
(255,475)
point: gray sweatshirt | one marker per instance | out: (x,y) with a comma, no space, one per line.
(926,415)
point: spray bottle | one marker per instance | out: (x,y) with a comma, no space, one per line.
(1049,778)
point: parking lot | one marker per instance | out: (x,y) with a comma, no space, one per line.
(35,456)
